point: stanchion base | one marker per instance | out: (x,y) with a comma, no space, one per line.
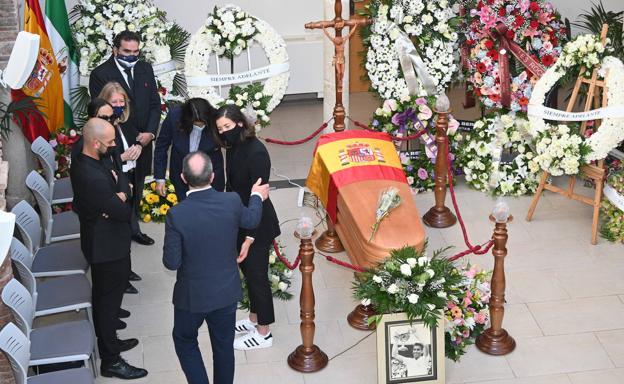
(307,361)
(497,345)
(358,318)
(439,218)
(329,242)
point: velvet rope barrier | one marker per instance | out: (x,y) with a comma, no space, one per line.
(301,141)
(287,263)
(406,138)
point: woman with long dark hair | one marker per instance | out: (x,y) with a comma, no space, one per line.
(247,160)
(187,129)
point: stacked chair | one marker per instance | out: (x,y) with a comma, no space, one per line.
(60,189)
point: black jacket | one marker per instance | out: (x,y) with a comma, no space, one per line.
(144,100)
(171,137)
(200,243)
(102,239)
(245,163)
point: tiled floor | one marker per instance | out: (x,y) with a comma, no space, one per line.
(565,301)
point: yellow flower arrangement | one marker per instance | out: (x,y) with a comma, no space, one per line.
(154,208)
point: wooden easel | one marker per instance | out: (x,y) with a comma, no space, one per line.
(595,172)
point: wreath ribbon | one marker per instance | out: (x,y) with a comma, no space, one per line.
(558,115)
(499,34)
(616,198)
(237,78)
(412,65)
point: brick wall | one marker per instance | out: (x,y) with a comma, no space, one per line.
(8,29)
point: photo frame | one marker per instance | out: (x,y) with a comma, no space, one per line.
(409,351)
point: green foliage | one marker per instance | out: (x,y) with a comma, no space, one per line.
(593,20)
(15,110)
(177,39)
(80,98)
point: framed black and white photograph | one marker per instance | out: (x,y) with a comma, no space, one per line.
(409,352)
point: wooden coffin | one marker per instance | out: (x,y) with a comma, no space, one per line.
(357,203)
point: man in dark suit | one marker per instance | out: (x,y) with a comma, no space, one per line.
(200,243)
(101,197)
(137,78)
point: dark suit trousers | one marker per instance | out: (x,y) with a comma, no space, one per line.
(110,280)
(256,270)
(221,329)
(137,194)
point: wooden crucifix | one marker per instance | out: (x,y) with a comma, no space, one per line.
(338,24)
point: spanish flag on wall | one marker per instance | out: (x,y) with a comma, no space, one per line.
(44,81)
(347,157)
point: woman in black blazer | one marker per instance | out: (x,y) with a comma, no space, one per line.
(187,129)
(247,160)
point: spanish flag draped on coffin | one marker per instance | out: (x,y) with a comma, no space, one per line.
(349,171)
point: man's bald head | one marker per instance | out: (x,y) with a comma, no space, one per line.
(96,129)
(197,169)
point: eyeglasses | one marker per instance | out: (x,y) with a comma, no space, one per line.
(111,119)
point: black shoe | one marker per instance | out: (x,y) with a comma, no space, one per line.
(131,289)
(143,239)
(121,324)
(134,277)
(123,314)
(122,370)
(126,345)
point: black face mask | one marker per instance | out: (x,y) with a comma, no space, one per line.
(233,136)
(108,153)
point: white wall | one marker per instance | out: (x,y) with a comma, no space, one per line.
(572,8)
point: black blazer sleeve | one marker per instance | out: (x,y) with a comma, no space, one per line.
(154,102)
(101,195)
(259,164)
(163,143)
(96,82)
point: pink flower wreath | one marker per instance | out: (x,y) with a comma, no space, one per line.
(534,25)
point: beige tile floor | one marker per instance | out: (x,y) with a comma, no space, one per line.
(565,302)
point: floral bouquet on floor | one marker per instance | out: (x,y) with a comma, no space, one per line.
(467,311)
(154,207)
(279,277)
(408,281)
(613,216)
(62,141)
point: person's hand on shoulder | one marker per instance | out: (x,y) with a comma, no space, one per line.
(263,189)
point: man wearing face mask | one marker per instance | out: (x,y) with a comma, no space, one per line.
(186,129)
(137,78)
(101,199)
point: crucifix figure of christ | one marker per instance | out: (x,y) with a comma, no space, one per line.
(338,24)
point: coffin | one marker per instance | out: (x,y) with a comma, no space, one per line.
(357,203)
(349,171)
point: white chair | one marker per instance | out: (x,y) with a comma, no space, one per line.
(17,347)
(56,227)
(58,294)
(57,259)
(57,343)
(60,189)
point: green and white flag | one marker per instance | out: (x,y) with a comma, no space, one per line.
(57,26)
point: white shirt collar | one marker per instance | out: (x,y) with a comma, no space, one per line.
(197,190)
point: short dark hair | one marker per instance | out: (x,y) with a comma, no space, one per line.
(196,109)
(235,114)
(94,106)
(125,36)
(197,178)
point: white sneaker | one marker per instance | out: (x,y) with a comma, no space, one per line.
(253,340)
(244,326)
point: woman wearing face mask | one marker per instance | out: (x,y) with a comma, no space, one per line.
(247,159)
(129,149)
(186,129)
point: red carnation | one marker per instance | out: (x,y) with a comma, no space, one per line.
(470,42)
(533,24)
(519,21)
(489,44)
(548,60)
(480,5)
(493,54)
(163,91)
(502,12)
(62,160)
(523,101)
(477,92)
(481,67)
(163,107)
(495,98)
(534,7)
(510,34)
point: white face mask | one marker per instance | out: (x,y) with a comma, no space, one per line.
(198,127)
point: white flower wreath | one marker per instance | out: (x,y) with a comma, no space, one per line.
(480,155)
(559,150)
(227,32)
(430,23)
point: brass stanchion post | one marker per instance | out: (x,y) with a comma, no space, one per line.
(307,357)
(440,216)
(496,340)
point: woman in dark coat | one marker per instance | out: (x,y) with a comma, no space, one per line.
(247,161)
(186,129)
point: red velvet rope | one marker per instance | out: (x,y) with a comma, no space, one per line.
(304,140)
(288,265)
(406,138)
(342,263)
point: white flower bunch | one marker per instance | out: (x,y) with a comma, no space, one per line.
(233,29)
(559,151)
(428,26)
